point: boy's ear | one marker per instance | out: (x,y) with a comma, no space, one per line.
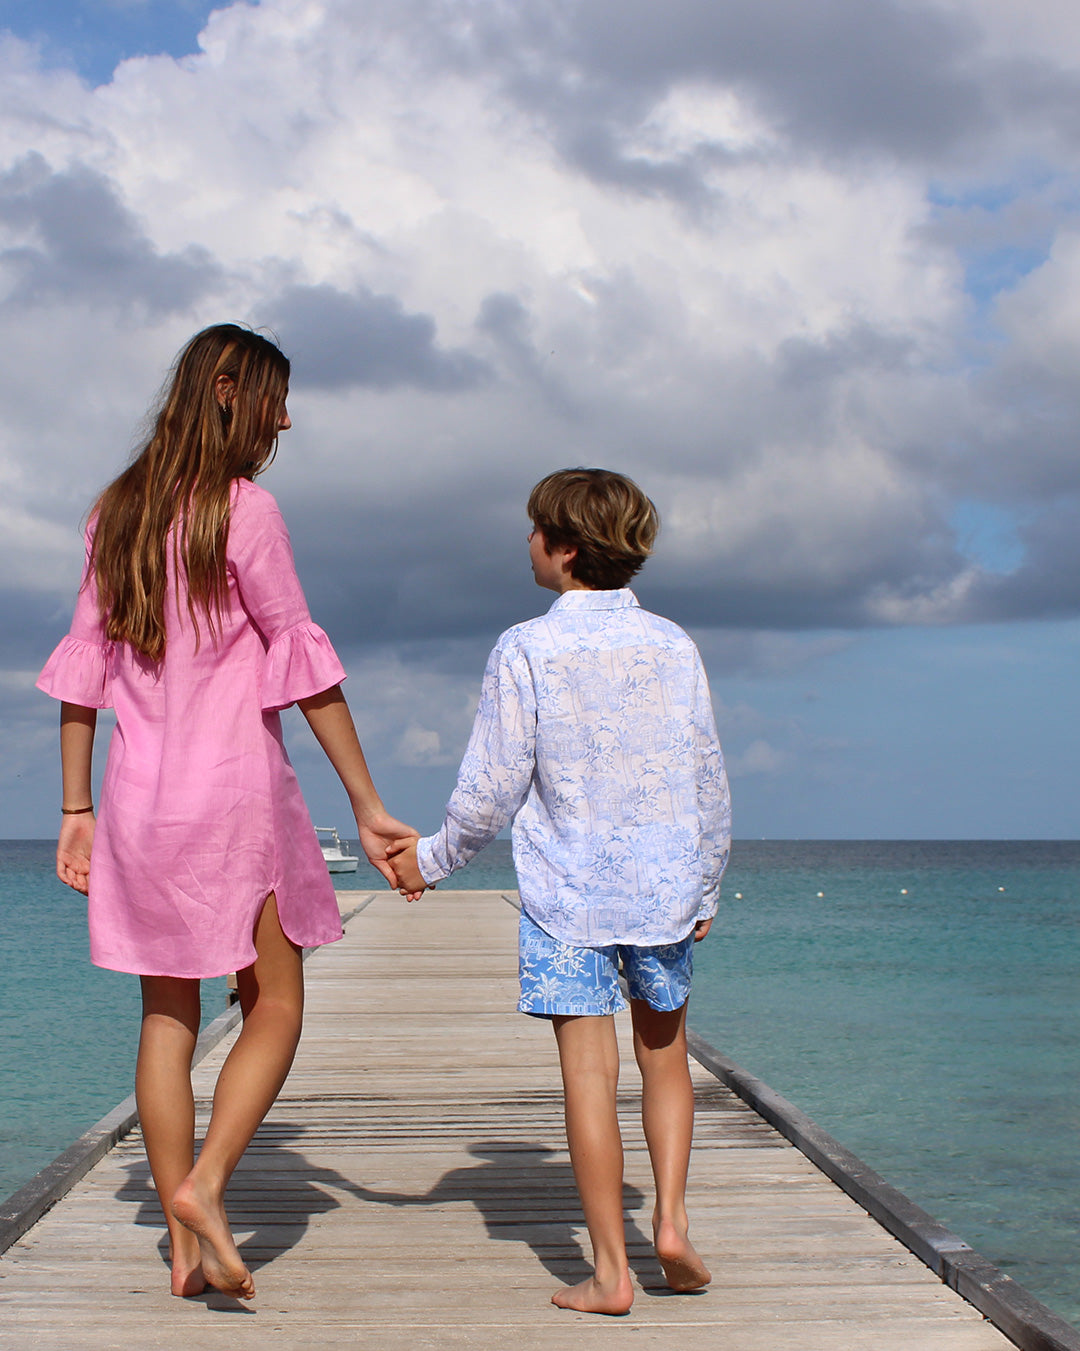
(569,556)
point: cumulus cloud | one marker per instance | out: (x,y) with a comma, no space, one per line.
(809,273)
(712,246)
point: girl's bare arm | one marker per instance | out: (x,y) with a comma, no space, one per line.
(77,727)
(329,718)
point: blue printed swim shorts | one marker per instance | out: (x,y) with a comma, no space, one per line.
(560,980)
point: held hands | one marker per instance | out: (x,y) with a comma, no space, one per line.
(383,839)
(73,851)
(402,857)
(379,834)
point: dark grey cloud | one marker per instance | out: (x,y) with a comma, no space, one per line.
(847,74)
(368,591)
(506,319)
(1026,452)
(339,339)
(595,146)
(802,363)
(460,570)
(32,623)
(392,570)
(509,326)
(1046,584)
(1043,95)
(839,77)
(77,240)
(741,591)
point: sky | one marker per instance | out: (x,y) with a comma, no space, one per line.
(809,273)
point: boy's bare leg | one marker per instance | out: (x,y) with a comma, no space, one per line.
(272,998)
(589,1058)
(667,1113)
(170,1026)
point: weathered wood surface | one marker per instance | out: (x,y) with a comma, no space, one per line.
(411,1189)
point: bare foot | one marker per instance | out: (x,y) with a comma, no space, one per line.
(590,1296)
(683,1268)
(185,1258)
(222,1264)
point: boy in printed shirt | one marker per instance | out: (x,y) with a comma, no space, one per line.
(595,735)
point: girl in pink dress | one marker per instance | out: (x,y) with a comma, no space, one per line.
(191,624)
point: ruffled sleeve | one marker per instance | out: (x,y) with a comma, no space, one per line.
(79,670)
(300,660)
(78,673)
(299,663)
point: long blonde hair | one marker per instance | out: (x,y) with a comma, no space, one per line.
(208,432)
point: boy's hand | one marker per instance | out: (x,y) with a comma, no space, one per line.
(701,928)
(401,856)
(378,835)
(73,851)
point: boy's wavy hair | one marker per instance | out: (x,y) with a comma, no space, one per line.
(179,482)
(604,515)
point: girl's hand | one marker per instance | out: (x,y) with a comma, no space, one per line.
(377,833)
(73,851)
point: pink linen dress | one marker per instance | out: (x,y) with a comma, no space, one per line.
(201,815)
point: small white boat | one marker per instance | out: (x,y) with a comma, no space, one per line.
(338,857)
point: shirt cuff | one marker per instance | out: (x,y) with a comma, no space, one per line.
(710,902)
(425,861)
(299,663)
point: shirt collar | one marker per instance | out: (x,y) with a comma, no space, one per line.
(594,600)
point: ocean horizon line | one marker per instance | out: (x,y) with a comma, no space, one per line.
(771,839)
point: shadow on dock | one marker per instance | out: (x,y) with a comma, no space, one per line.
(522,1194)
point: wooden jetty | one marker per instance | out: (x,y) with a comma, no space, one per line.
(411,1189)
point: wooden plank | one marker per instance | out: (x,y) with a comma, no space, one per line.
(411,1188)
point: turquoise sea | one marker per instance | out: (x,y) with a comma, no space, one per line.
(919,1000)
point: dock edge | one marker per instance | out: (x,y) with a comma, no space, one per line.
(1025,1320)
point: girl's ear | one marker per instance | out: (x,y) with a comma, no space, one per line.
(225,392)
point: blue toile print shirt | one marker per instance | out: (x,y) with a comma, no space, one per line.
(595,735)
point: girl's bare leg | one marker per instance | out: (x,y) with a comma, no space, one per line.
(170,1026)
(272,999)
(667,1113)
(589,1057)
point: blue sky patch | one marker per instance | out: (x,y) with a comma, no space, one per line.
(988,535)
(92,37)
(987,196)
(988,272)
